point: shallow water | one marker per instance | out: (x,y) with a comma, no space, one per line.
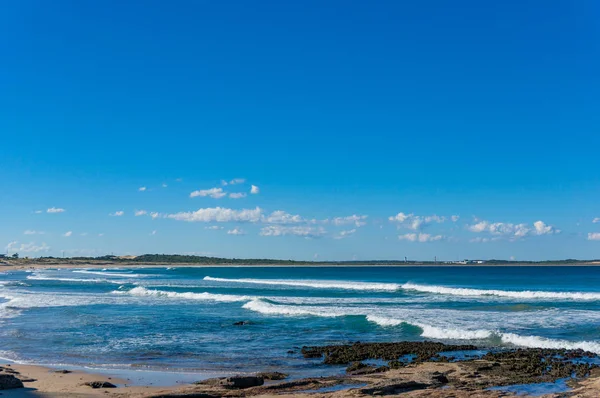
(181,319)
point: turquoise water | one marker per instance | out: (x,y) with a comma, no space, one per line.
(181,319)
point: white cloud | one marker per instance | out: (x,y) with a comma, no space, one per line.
(214,193)
(55,210)
(594,236)
(254,190)
(154,215)
(596,220)
(237,195)
(237,181)
(513,231)
(224,183)
(359,221)
(142,189)
(26,247)
(117,213)
(305,231)
(218,214)
(38,211)
(32,232)
(420,237)
(164,185)
(84,234)
(214,227)
(414,222)
(345,234)
(282,217)
(140,213)
(100,234)
(67,234)
(236,231)
(454,218)
(153,232)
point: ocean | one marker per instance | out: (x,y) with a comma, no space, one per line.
(183,319)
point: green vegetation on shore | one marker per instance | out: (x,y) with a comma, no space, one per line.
(203,260)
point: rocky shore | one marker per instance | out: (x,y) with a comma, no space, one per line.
(411,369)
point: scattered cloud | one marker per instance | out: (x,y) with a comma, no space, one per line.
(154,215)
(359,221)
(236,231)
(164,185)
(142,189)
(55,210)
(100,234)
(237,181)
(596,220)
(282,217)
(38,211)
(416,223)
(237,195)
(305,231)
(32,232)
(67,234)
(30,247)
(214,227)
(153,232)
(117,213)
(254,190)
(140,213)
(218,214)
(594,236)
(179,179)
(421,237)
(345,234)
(84,234)
(513,231)
(214,193)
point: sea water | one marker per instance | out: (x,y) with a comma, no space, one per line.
(182,319)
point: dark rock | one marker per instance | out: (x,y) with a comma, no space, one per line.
(242,323)
(9,382)
(28,380)
(359,368)
(343,354)
(100,384)
(64,371)
(272,375)
(393,387)
(234,382)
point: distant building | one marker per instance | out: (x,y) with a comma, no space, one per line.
(2,255)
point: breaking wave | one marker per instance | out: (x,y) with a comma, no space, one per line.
(143,292)
(109,274)
(527,294)
(434,332)
(373,286)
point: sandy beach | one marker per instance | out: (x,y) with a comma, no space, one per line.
(427,379)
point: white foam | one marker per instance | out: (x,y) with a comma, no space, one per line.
(542,342)
(266,308)
(434,332)
(527,294)
(317,284)
(83,280)
(142,291)
(109,274)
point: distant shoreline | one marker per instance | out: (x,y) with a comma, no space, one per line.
(32,266)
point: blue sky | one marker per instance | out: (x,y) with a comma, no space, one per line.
(372,130)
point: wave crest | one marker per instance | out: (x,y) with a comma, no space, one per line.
(143,292)
(347,285)
(527,294)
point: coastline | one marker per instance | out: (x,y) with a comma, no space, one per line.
(426,379)
(34,266)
